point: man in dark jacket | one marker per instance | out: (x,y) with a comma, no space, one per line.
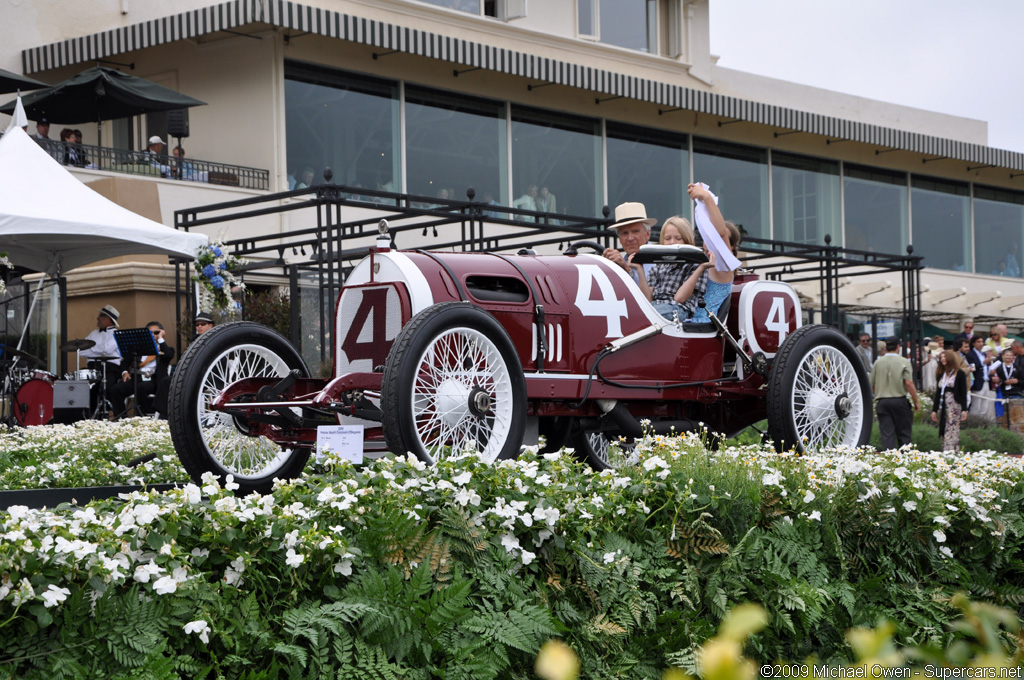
(147,374)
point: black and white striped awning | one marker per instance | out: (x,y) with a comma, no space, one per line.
(291,15)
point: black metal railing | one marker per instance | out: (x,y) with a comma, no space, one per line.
(149,164)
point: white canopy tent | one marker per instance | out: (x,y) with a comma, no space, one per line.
(50,222)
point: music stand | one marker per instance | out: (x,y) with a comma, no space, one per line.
(135,343)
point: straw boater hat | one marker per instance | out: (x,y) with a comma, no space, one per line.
(628,213)
(110,311)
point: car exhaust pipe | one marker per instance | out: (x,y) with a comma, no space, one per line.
(631,427)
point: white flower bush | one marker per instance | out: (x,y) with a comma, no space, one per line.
(200,544)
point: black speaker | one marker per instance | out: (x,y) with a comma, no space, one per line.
(177,123)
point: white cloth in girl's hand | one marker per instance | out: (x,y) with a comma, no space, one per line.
(725,261)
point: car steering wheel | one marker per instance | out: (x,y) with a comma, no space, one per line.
(593,245)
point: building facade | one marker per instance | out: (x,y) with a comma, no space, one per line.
(565,106)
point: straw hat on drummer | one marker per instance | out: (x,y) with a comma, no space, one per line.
(110,313)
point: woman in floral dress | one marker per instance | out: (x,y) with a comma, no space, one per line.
(949,407)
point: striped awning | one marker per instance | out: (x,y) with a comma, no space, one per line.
(291,15)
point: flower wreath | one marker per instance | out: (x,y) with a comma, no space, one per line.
(215,275)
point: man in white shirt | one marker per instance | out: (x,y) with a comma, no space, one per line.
(105,355)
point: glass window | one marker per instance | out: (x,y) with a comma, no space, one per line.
(805,199)
(941,223)
(586,18)
(875,203)
(344,122)
(558,153)
(649,166)
(453,142)
(626,23)
(998,231)
(738,175)
(471,6)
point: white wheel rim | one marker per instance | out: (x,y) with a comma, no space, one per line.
(244,456)
(615,456)
(461,367)
(823,376)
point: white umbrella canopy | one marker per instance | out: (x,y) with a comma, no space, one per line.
(51,222)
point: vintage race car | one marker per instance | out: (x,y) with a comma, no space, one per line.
(436,353)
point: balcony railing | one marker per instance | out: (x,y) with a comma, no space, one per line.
(153,165)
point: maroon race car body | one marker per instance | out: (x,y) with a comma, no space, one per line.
(438,352)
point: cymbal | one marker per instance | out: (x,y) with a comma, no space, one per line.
(77,344)
(14,352)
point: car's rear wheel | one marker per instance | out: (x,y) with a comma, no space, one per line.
(604,450)
(214,441)
(819,395)
(453,382)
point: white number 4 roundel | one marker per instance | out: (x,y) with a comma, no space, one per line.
(608,306)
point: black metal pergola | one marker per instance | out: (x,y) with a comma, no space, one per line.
(342,223)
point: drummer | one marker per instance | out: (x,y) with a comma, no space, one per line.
(105,350)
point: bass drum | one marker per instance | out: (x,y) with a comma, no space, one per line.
(33,403)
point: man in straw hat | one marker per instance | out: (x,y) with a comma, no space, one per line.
(633,228)
(104,356)
(105,348)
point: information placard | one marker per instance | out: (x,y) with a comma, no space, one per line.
(345,441)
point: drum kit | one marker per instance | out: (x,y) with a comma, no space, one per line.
(29,394)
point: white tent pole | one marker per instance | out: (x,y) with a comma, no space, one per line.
(28,316)
(54,325)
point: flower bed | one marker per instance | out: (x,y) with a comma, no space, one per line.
(466,569)
(88,453)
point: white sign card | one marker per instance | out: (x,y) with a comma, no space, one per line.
(344,441)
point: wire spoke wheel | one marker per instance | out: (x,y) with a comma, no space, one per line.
(453,383)
(227,438)
(216,441)
(818,393)
(824,413)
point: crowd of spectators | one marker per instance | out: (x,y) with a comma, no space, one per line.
(973,374)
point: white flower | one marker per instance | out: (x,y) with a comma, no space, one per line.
(815,515)
(294,559)
(528,556)
(655,462)
(940,537)
(201,627)
(53,595)
(946,551)
(941,520)
(809,496)
(510,542)
(609,557)
(910,506)
(230,483)
(344,568)
(193,494)
(144,572)
(463,479)
(165,585)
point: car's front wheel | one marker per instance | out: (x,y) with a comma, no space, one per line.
(819,395)
(453,382)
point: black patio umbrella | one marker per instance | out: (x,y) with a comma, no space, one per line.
(12,82)
(99,94)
